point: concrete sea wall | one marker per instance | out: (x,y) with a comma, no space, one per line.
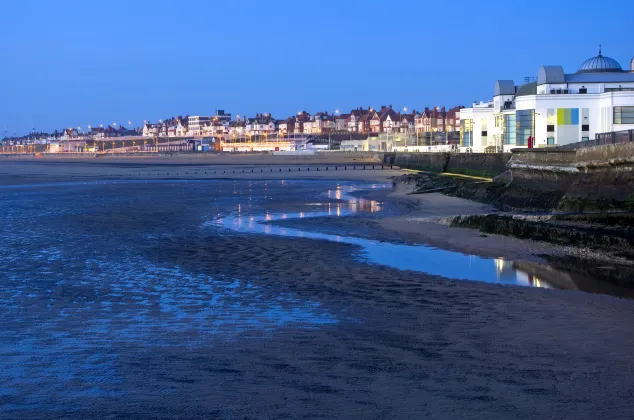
(599,178)
(479,164)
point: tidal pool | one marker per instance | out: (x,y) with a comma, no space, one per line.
(420,258)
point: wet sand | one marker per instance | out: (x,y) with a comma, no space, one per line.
(406,344)
(15,171)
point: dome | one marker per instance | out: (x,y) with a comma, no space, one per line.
(600,64)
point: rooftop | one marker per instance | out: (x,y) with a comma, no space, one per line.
(600,64)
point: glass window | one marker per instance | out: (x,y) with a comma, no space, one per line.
(624,115)
(466,133)
(550,141)
(525,126)
(508,129)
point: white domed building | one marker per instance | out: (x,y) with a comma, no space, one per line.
(553,109)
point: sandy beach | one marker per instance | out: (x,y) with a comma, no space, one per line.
(29,169)
(145,307)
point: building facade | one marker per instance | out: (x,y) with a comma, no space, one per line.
(557,108)
(196,124)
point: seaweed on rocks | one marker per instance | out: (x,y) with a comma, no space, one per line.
(615,239)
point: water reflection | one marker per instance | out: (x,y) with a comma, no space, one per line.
(507,272)
(419,258)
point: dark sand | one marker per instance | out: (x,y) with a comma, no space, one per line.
(407,345)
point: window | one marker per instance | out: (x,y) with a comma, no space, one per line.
(484,133)
(466,133)
(525,127)
(583,90)
(624,115)
(550,141)
(585,138)
(550,128)
(621,89)
(585,127)
(508,129)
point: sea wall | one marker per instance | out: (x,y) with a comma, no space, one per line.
(480,164)
(599,178)
(607,156)
(485,164)
(433,162)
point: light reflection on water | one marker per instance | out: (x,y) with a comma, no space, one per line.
(77,301)
(419,258)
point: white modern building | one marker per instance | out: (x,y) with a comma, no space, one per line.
(555,109)
(196,123)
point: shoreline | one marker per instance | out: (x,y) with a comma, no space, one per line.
(130,281)
(409,226)
(422,218)
(14,172)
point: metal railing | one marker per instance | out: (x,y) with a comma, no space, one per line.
(613,137)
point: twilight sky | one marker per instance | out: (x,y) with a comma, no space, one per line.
(69,63)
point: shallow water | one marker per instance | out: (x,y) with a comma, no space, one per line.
(77,286)
(84,299)
(420,258)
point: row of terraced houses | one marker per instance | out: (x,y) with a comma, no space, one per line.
(360,120)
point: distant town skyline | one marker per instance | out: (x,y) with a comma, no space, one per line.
(70,63)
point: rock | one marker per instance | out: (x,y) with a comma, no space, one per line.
(504,178)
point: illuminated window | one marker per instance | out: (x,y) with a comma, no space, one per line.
(525,126)
(466,133)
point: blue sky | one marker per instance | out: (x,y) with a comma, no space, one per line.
(70,63)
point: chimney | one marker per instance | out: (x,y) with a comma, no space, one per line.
(390,106)
(632,66)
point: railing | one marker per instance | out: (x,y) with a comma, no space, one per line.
(614,137)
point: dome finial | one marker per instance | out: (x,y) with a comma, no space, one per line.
(599,49)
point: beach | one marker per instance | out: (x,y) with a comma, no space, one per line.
(202,288)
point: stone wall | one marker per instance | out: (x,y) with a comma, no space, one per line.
(606,156)
(599,178)
(485,164)
(542,157)
(480,164)
(433,162)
